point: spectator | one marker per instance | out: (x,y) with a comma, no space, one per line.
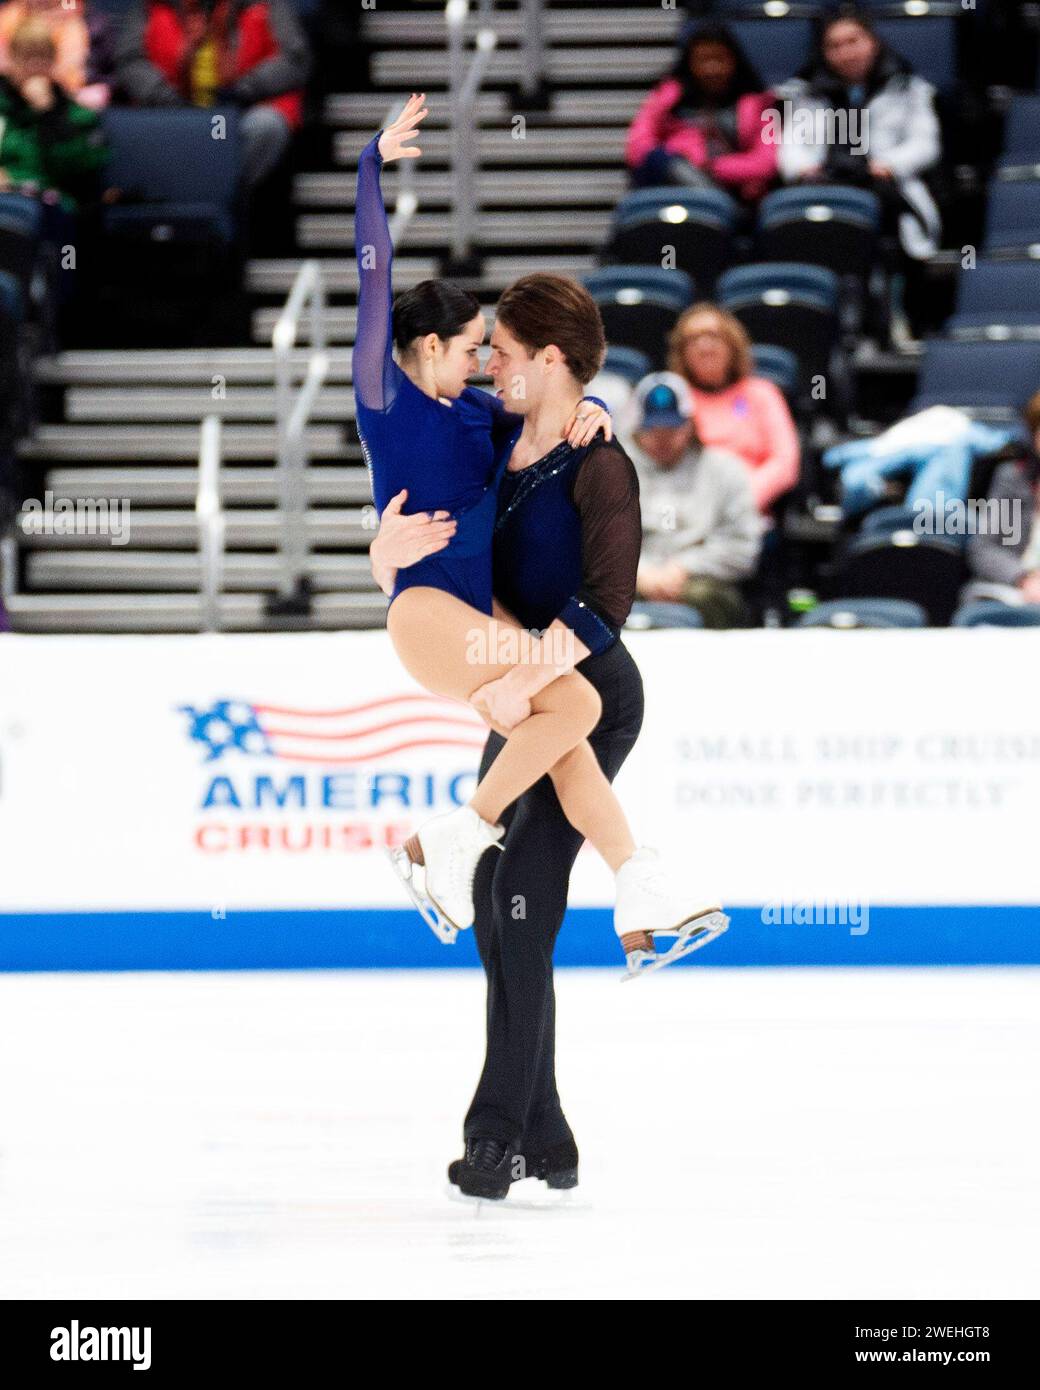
(1007,567)
(743,414)
(890,138)
(49,145)
(702,125)
(701,528)
(85,44)
(246,53)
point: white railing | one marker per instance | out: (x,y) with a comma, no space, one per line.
(532,62)
(210,515)
(465,84)
(294,408)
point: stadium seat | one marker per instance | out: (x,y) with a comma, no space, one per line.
(989,614)
(776,46)
(928,570)
(791,305)
(1022,133)
(639,305)
(845,613)
(984,377)
(928,43)
(882,521)
(627,363)
(21,226)
(1012,218)
(997,299)
(699,223)
(778,365)
(179,184)
(826,225)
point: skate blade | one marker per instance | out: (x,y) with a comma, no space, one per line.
(691,937)
(549,1200)
(443,929)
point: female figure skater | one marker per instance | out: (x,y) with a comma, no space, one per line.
(423,430)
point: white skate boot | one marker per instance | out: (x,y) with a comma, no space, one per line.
(649,904)
(445,851)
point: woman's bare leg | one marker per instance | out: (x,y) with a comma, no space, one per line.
(439,640)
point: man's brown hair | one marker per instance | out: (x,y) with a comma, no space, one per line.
(542,309)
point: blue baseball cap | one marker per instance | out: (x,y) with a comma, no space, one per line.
(664,401)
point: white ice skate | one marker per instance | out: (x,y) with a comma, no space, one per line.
(648,905)
(437,866)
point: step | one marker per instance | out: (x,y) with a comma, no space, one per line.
(329,231)
(586,23)
(341,275)
(86,570)
(177,443)
(115,612)
(177,366)
(367,111)
(347,527)
(395,69)
(153,404)
(173,486)
(528,188)
(548,146)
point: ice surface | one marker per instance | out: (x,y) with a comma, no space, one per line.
(743,1133)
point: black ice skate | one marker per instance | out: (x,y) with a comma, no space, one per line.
(486,1169)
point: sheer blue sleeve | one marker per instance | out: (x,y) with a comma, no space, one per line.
(374,369)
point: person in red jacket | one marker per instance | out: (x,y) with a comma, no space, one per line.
(702,124)
(247,53)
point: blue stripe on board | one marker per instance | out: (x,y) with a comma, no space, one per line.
(392,938)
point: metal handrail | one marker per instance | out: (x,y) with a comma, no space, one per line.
(293,415)
(464,84)
(210,515)
(532,68)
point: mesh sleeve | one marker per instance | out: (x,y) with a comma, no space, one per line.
(606,494)
(374,369)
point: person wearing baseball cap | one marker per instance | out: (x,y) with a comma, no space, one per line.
(701,528)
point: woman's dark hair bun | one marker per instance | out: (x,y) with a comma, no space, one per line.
(432,306)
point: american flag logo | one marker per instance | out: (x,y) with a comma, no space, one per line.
(354,734)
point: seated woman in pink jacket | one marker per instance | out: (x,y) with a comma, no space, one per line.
(743,414)
(702,125)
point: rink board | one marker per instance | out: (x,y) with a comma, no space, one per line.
(226,801)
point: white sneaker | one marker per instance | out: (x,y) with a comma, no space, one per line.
(649,903)
(450,847)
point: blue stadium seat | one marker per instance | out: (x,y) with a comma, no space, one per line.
(12,303)
(1022,132)
(844,613)
(928,570)
(825,224)
(928,43)
(21,226)
(1012,218)
(639,305)
(699,223)
(995,379)
(628,363)
(179,183)
(776,47)
(778,365)
(986,613)
(997,299)
(882,521)
(791,305)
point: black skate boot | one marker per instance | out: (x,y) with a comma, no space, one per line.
(485,1170)
(556,1166)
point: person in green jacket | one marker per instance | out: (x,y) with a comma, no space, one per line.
(49,145)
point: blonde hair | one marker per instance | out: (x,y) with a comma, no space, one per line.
(730,328)
(33,39)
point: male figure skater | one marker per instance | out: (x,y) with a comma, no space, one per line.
(566,550)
